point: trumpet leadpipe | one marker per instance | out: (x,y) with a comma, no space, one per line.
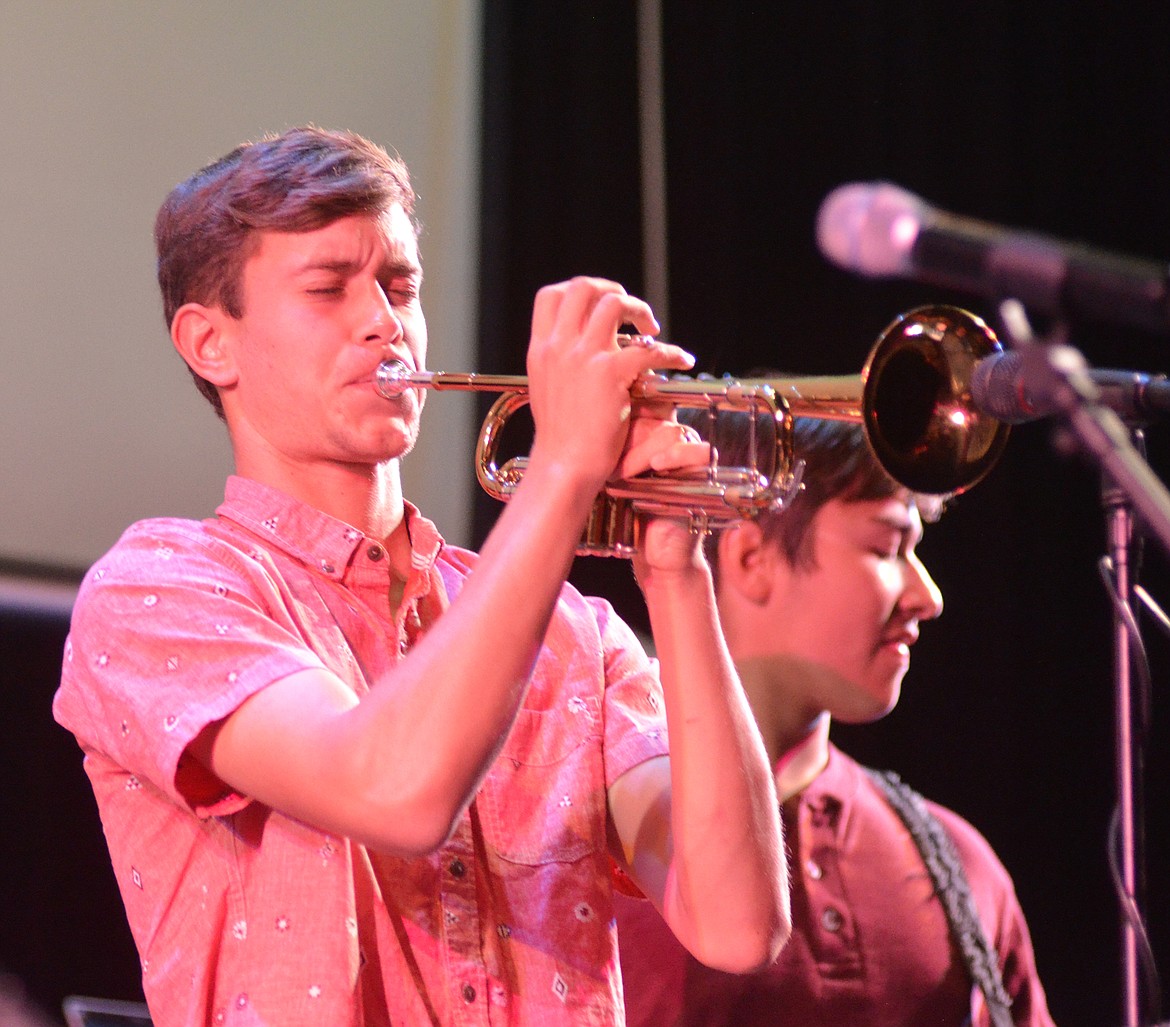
(830,396)
(393,377)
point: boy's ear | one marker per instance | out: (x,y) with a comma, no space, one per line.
(746,562)
(202,335)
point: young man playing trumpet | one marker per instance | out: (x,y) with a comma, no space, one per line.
(349,774)
(820,604)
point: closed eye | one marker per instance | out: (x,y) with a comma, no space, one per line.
(402,291)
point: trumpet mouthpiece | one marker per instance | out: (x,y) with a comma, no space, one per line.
(392,378)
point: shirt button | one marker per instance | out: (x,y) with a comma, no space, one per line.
(468,993)
(326,566)
(375,552)
(457,868)
(832,920)
(813,869)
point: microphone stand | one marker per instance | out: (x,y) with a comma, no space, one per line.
(1059,371)
(1127,841)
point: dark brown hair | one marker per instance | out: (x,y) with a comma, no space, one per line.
(298,181)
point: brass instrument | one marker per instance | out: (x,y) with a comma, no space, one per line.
(912,396)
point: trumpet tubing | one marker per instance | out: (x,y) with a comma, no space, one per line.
(912,396)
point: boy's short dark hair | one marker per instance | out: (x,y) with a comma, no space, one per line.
(838,464)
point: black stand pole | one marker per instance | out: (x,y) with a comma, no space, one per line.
(1060,373)
(1128,854)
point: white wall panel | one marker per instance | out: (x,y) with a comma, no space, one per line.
(106,106)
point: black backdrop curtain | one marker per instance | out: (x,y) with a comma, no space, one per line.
(1048,116)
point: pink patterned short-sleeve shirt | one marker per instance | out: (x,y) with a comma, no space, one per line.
(243,916)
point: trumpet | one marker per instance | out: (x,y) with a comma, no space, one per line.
(912,397)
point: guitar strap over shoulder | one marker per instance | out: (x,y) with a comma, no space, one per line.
(950,882)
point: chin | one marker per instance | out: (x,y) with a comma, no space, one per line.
(396,437)
(408,439)
(870,704)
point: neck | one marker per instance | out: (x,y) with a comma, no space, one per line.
(799,766)
(382,502)
(795,730)
(367,496)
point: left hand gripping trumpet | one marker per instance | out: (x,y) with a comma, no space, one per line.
(913,398)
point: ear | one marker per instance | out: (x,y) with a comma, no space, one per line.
(202,336)
(747,564)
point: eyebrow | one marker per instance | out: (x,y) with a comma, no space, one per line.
(342,266)
(904,526)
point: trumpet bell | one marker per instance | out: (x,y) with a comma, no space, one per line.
(919,416)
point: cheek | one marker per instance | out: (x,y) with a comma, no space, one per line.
(845,619)
(818,620)
(268,345)
(887,586)
(266,363)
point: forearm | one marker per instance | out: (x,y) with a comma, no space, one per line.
(726,893)
(434,726)
(395,768)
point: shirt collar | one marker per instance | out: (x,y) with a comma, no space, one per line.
(836,786)
(312,536)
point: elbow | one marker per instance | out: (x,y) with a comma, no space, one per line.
(750,946)
(774,942)
(409,822)
(775,933)
(748,951)
(412,836)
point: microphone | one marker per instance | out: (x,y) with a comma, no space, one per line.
(880,230)
(1013,388)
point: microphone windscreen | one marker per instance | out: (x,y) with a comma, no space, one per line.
(995,387)
(870,228)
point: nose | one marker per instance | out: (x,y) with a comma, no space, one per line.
(921,597)
(382,325)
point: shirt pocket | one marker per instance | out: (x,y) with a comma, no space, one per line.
(544,800)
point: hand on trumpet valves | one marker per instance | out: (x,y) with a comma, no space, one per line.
(671,546)
(660,443)
(580,376)
(645,341)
